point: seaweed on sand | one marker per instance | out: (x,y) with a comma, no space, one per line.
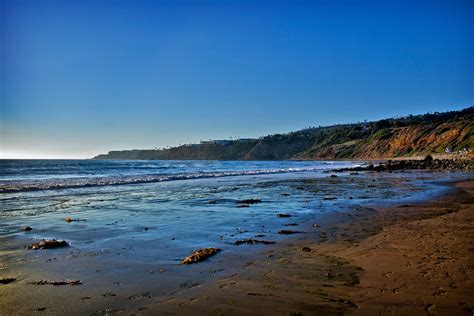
(57,283)
(7,280)
(200,255)
(48,244)
(288,232)
(252,241)
(249,201)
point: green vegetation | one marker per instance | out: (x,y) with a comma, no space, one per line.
(411,135)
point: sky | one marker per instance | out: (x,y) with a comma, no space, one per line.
(80,78)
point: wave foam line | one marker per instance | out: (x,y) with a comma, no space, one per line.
(21,186)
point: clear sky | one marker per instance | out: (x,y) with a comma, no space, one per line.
(79,78)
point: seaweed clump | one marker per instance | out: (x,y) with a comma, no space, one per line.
(57,283)
(249,201)
(200,255)
(48,244)
(252,241)
(288,232)
(7,280)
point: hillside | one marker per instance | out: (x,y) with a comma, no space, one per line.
(407,136)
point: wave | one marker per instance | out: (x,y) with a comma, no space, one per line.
(70,183)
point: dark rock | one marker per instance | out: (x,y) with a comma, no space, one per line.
(306,249)
(7,280)
(283,215)
(288,232)
(427,163)
(27,229)
(189,284)
(429,308)
(249,201)
(48,244)
(257,294)
(348,303)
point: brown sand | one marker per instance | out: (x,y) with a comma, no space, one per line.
(405,260)
(414,259)
(422,260)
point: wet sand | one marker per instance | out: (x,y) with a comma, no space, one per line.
(409,259)
(422,260)
(414,258)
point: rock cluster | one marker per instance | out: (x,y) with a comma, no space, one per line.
(48,244)
(426,164)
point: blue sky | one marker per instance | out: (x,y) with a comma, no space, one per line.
(78,78)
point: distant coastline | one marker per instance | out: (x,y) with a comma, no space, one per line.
(447,134)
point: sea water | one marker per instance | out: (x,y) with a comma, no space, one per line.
(165,209)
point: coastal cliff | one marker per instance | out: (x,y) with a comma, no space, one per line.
(450,133)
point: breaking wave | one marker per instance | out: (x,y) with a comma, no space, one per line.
(69,183)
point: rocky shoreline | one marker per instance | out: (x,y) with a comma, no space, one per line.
(426,164)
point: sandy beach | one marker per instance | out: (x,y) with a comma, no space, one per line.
(386,258)
(409,259)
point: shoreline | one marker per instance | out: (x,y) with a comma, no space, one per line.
(401,262)
(283,278)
